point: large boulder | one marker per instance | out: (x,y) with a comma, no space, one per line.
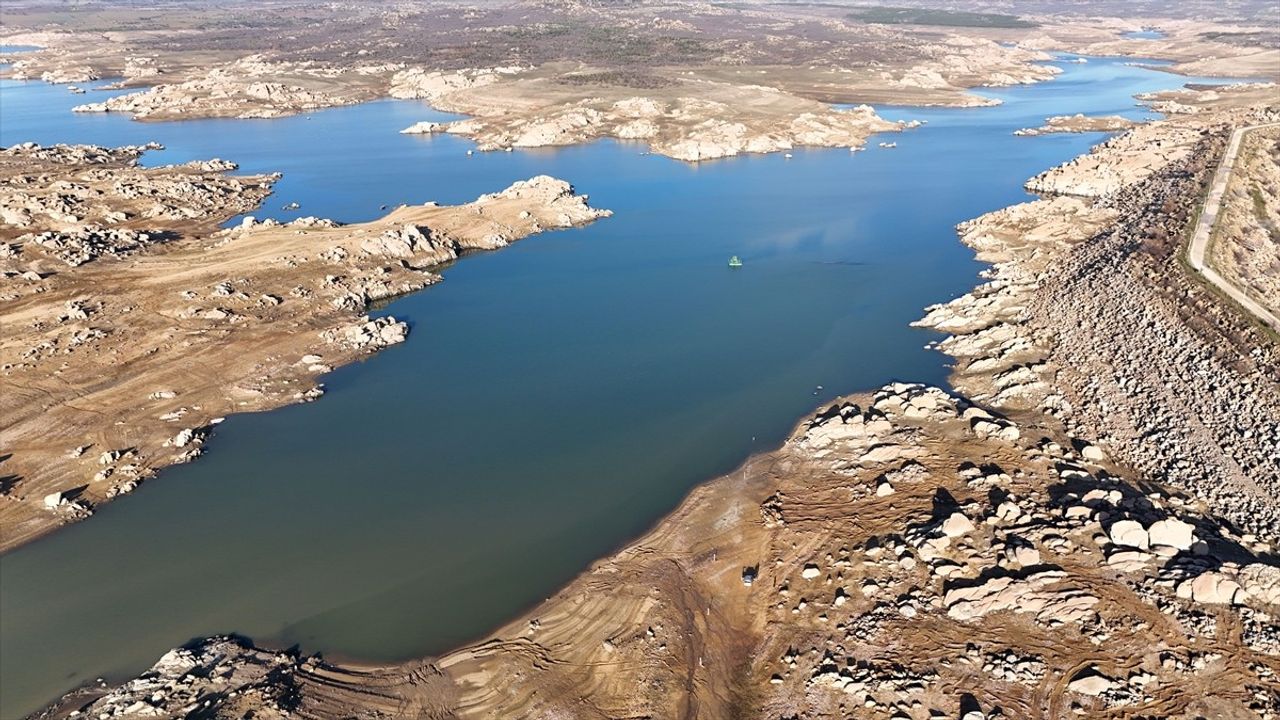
(1172,533)
(956,525)
(1129,533)
(1090,682)
(1211,588)
(1261,583)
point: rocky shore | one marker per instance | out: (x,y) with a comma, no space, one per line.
(1079,124)
(905,554)
(1089,316)
(114,270)
(705,123)
(1191,45)
(250,87)
(1086,528)
(741,96)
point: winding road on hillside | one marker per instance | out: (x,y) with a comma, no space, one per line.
(1204,231)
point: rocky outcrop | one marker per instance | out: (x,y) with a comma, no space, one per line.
(219,671)
(76,203)
(1119,162)
(250,87)
(1003,571)
(685,128)
(1045,594)
(1079,123)
(249,301)
(425,127)
(1087,316)
(369,334)
(86,243)
(436,85)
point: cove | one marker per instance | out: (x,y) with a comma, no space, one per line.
(1145,33)
(554,398)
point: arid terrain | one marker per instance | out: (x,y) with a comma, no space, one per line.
(1054,539)
(1084,525)
(904,555)
(695,81)
(1248,240)
(199,322)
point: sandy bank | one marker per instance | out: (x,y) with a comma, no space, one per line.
(1075,534)
(904,552)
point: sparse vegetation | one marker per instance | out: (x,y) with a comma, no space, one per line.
(1268,39)
(946,18)
(617,78)
(1260,212)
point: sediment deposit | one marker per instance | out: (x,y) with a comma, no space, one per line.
(905,554)
(1087,529)
(115,271)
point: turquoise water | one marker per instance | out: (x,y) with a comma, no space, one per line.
(554,398)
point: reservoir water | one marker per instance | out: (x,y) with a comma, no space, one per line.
(554,398)
(1144,34)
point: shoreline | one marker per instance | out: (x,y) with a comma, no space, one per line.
(480,649)
(458,665)
(71,511)
(294,295)
(689,113)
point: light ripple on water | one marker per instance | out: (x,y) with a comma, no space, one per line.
(554,398)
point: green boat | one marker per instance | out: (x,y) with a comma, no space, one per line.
(735,262)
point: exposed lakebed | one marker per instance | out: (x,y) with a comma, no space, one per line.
(554,398)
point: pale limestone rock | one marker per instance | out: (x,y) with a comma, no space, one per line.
(1092,453)
(1090,683)
(1043,594)
(1129,533)
(1173,533)
(1026,556)
(1211,588)
(957,525)
(425,127)
(1261,583)
(882,454)
(1129,561)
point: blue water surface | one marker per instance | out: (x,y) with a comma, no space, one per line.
(1144,34)
(554,398)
